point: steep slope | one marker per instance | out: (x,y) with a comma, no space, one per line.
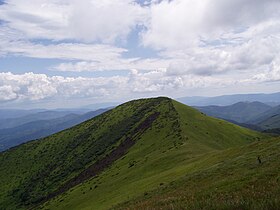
(41,128)
(31,172)
(174,145)
(240,112)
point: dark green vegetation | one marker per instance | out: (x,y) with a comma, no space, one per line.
(46,126)
(134,153)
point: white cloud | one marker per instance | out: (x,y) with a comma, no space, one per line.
(187,23)
(7,93)
(198,44)
(154,81)
(30,86)
(101,20)
(104,20)
(113,64)
(202,37)
(40,87)
(86,57)
(272,74)
(11,43)
(257,53)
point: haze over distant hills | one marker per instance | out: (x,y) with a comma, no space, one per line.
(34,116)
(16,131)
(16,113)
(240,112)
(224,100)
(254,115)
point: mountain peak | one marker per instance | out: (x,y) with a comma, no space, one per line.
(121,142)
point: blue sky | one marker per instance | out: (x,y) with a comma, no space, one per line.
(63,53)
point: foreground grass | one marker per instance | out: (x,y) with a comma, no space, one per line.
(236,181)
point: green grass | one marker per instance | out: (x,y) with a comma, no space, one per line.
(29,172)
(182,141)
(231,179)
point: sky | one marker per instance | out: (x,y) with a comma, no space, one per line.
(70,53)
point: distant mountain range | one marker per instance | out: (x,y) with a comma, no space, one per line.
(241,112)
(225,100)
(16,131)
(44,115)
(16,113)
(19,126)
(254,115)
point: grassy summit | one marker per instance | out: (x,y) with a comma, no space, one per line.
(122,155)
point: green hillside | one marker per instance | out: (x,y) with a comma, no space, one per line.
(163,154)
(30,172)
(230,179)
(118,156)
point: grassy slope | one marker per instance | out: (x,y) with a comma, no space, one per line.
(29,172)
(179,143)
(229,179)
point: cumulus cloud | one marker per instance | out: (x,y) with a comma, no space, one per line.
(153,81)
(12,43)
(7,93)
(214,36)
(256,53)
(202,37)
(103,20)
(40,87)
(272,74)
(30,86)
(195,44)
(188,23)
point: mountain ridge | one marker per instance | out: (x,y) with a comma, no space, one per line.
(10,137)
(225,100)
(175,135)
(241,112)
